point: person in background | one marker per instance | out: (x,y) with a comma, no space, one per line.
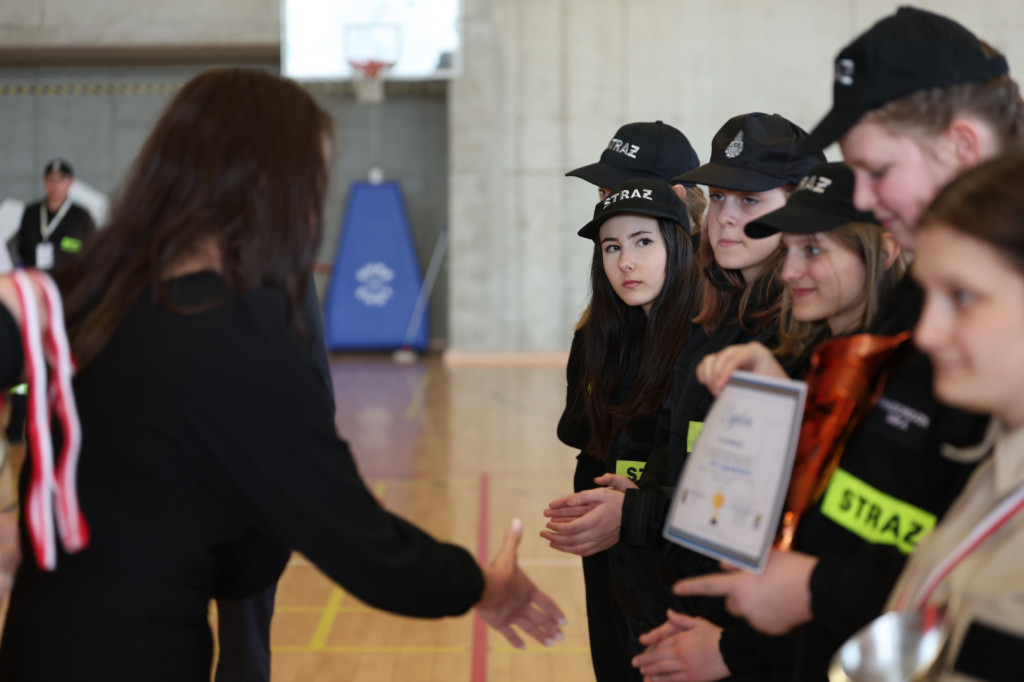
(52,232)
(54,229)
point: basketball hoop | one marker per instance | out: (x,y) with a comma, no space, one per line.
(369,83)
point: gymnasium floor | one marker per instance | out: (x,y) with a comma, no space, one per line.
(461,451)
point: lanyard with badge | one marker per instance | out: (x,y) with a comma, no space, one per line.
(44,249)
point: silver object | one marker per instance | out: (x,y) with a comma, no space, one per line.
(895,647)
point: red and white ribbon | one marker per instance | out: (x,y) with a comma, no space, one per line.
(52,490)
(992,522)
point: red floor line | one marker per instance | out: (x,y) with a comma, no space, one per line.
(479,673)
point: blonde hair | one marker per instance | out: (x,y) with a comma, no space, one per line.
(797,337)
(696,208)
(930,111)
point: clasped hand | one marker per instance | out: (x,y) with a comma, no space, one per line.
(683,649)
(588,522)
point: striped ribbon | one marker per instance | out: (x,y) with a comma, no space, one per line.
(992,522)
(52,491)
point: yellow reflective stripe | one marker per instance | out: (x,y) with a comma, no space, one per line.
(874,516)
(630,469)
(20,389)
(692,433)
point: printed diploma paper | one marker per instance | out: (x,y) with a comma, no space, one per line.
(729,498)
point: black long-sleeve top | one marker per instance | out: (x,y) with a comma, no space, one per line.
(209,452)
(10,349)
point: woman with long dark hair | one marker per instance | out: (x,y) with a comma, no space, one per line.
(209,449)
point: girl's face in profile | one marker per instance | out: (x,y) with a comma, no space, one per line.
(895,176)
(728,213)
(634,255)
(826,281)
(972,325)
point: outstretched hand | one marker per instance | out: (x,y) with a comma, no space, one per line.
(511,599)
(683,649)
(588,522)
(715,370)
(774,602)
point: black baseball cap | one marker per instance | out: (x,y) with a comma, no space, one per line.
(823,201)
(905,52)
(641,150)
(643,196)
(58,165)
(754,153)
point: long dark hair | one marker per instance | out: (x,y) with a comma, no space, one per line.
(236,159)
(628,356)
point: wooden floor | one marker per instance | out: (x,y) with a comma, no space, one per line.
(461,451)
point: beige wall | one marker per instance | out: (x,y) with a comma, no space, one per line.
(120,23)
(547,83)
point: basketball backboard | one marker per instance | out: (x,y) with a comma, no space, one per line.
(322,38)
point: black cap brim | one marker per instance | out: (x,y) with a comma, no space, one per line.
(798,219)
(731,178)
(601,174)
(835,124)
(590,230)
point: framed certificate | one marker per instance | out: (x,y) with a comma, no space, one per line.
(730,496)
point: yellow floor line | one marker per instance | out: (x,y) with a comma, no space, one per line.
(538,649)
(333,607)
(558,649)
(419,396)
(375,649)
(320,609)
(558,562)
(323,628)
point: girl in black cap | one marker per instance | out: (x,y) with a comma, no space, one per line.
(644,292)
(837,274)
(637,150)
(917,100)
(754,165)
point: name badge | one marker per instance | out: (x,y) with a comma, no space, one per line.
(692,433)
(44,255)
(874,516)
(630,469)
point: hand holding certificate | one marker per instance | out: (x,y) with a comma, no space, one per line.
(729,499)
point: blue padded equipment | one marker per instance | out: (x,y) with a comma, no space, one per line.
(376,278)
